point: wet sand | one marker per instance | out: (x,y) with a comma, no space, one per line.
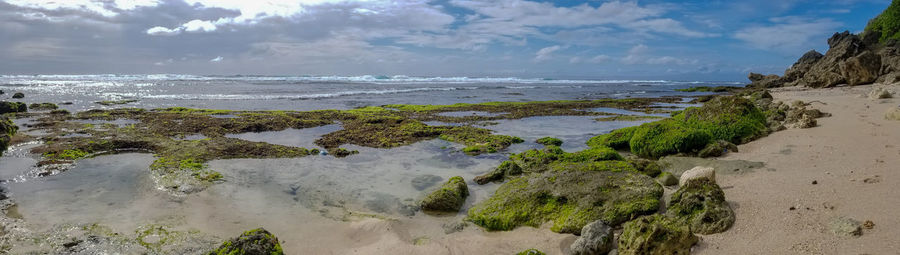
(854,159)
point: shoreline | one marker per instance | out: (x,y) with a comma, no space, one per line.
(852,157)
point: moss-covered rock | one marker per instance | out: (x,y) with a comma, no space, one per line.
(553,158)
(549,141)
(448,198)
(43,106)
(717,148)
(701,205)
(656,235)
(570,199)
(729,118)
(649,167)
(531,252)
(12,107)
(253,242)
(887,23)
(7,131)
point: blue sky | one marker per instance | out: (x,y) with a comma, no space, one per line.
(678,40)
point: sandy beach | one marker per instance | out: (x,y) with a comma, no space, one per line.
(847,166)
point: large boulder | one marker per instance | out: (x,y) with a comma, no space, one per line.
(596,239)
(828,72)
(701,205)
(449,198)
(802,65)
(767,81)
(570,198)
(861,69)
(253,242)
(656,235)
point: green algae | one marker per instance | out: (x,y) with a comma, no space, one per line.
(629,118)
(656,235)
(701,205)
(570,199)
(729,118)
(549,141)
(448,198)
(43,106)
(252,242)
(531,252)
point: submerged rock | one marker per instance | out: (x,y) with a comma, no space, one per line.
(449,198)
(697,173)
(18,95)
(570,198)
(701,205)
(253,242)
(656,234)
(596,238)
(422,182)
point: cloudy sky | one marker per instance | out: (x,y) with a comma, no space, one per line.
(682,40)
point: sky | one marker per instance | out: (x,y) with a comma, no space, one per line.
(653,39)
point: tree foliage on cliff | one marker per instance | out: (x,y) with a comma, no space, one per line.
(888,22)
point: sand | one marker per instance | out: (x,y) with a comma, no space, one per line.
(854,159)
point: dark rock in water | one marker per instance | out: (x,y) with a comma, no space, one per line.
(18,95)
(596,238)
(253,242)
(701,205)
(43,106)
(656,234)
(8,107)
(449,198)
(422,182)
(569,198)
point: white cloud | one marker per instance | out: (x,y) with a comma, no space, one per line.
(102,8)
(162,31)
(600,59)
(217,59)
(545,53)
(788,34)
(199,26)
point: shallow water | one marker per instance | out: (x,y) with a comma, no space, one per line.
(304,138)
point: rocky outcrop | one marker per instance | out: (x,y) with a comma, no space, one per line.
(701,205)
(656,234)
(449,198)
(8,107)
(871,56)
(596,239)
(7,130)
(257,241)
(697,173)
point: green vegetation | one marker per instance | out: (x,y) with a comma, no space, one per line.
(67,154)
(628,118)
(448,198)
(252,242)
(7,130)
(549,141)
(12,107)
(887,23)
(656,234)
(729,118)
(701,205)
(43,106)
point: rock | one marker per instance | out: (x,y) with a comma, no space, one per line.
(18,95)
(449,198)
(507,168)
(754,77)
(805,121)
(7,131)
(569,198)
(879,93)
(769,81)
(43,106)
(667,179)
(861,69)
(655,235)
(596,238)
(844,226)
(893,113)
(696,173)
(701,205)
(257,241)
(549,141)
(453,227)
(8,107)
(718,148)
(646,166)
(422,182)
(802,66)
(531,252)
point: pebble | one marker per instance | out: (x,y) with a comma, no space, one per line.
(815,182)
